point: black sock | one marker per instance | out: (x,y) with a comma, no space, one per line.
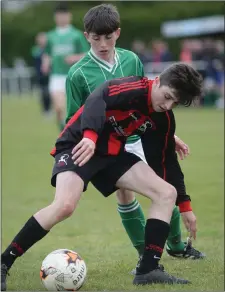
(28,236)
(156,233)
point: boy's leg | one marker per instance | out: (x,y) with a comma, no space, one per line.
(133,218)
(46,99)
(130,210)
(134,221)
(69,187)
(58,98)
(163,198)
(127,173)
(70,180)
(174,239)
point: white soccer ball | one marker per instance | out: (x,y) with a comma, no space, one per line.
(62,270)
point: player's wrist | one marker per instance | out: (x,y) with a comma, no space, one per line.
(185,206)
(90,134)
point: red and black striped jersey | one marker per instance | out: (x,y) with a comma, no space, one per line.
(114,111)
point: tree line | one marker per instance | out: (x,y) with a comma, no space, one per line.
(140,20)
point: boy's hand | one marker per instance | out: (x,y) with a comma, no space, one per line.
(83,151)
(182,149)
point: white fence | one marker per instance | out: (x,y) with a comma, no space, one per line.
(17,82)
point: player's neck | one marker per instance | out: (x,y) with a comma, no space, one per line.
(63,28)
(110,59)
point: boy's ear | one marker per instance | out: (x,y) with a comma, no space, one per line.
(157,81)
(86,36)
(118,33)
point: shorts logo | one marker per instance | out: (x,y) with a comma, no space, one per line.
(63,160)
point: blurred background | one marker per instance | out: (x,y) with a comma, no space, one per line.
(159,32)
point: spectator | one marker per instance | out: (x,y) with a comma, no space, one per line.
(185,54)
(42,79)
(141,50)
(196,49)
(161,52)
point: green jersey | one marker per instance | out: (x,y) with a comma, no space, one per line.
(62,42)
(90,72)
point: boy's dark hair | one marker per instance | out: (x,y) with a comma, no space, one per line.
(102,19)
(62,7)
(185,80)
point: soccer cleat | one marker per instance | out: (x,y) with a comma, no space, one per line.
(158,276)
(4,273)
(188,252)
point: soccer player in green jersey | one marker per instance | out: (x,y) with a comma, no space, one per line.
(65,46)
(104,62)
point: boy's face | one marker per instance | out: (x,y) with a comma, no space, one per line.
(103,45)
(163,97)
(63,18)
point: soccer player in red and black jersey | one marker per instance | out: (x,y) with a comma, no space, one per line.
(92,144)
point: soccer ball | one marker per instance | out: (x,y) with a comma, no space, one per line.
(63,270)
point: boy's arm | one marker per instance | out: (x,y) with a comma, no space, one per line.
(175,177)
(94,112)
(112,95)
(46,57)
(82,47)
(92,121)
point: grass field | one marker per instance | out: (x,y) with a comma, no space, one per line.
(95,230)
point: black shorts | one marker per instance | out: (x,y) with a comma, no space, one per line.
(102,171)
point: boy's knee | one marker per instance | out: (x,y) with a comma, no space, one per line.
(169,195)
(125,197)
(65,210)
(166,196)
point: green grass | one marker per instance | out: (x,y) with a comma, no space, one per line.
(95,230)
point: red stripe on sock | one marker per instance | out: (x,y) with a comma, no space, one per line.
(154,247)
(19,249)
